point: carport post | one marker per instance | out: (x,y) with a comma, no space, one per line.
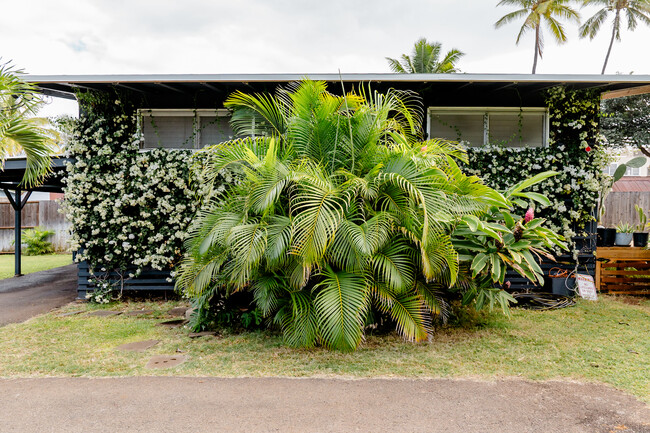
(18,203)
(18,223)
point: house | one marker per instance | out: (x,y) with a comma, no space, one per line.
(512,125)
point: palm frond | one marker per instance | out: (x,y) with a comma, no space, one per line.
(298,320)
(406,309)
(256,114)
(341,303)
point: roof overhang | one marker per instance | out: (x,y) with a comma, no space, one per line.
(66,85)
(14,170)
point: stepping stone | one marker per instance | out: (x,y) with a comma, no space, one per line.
(177,312)
(71,313)
(137,346)
(138,313)
(165,361)
(201,334)
(105,313)
(175,323)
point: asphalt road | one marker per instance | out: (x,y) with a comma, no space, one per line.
(24,297)
(171,404)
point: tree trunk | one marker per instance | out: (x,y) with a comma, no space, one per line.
(611,43)
(536,48)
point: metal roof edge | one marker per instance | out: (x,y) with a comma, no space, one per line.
(225,78)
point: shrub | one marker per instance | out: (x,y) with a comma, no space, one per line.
(343,213)
(36,241)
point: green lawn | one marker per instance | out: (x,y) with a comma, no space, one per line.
(605,341)
(32,263)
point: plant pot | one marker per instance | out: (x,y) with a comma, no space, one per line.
(623,239)
(600,231)
(606,237)
(640,239)
(563,286)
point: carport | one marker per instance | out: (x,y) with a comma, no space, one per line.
(11,183)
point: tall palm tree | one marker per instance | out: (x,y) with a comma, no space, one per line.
(634,11)
(19,130)
(536,12)
(425,59)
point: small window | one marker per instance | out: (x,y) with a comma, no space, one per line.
(184,129)
(477,126)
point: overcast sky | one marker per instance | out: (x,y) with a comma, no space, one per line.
(300,36)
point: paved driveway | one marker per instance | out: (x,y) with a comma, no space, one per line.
(36,293)
(175,404)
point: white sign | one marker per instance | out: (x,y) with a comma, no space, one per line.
(586,287)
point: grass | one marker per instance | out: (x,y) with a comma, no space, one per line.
(605,341)
(32,263)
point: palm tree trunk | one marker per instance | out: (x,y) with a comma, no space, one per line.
(611,43)
(536,48)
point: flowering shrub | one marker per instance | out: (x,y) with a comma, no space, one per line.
(573,152)
(129,209)
(102,293)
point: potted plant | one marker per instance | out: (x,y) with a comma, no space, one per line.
(624,234)
(640,236)
(606,237)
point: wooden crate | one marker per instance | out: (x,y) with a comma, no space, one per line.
(623,270)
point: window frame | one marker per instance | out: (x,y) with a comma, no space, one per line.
(181,112)
(486,111)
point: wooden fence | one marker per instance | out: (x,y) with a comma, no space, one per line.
(619,207)
(35,214)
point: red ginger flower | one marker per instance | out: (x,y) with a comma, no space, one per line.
(530,214)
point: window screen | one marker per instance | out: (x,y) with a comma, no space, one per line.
(504,129)
(169,132)
(214,130)
(476,126)
(458,127)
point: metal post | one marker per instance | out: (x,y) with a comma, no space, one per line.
(18,203)
(18,211)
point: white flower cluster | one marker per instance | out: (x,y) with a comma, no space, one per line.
(128,209)
(102,293)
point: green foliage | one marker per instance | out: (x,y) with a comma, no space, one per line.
(500,240)
(221,312)
(425,59)
(36,241)
(643,219)
(341,212)
(626,122)
(19,131)
(624,227)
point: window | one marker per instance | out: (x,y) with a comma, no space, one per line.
(611,169)
(184,129)
(477,126)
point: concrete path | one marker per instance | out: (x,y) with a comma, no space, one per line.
(169,404)
(36,293)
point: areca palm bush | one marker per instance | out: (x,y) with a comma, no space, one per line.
(341,213)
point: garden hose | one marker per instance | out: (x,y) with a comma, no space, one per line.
(542,301)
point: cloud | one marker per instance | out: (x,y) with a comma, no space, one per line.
(257,36)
